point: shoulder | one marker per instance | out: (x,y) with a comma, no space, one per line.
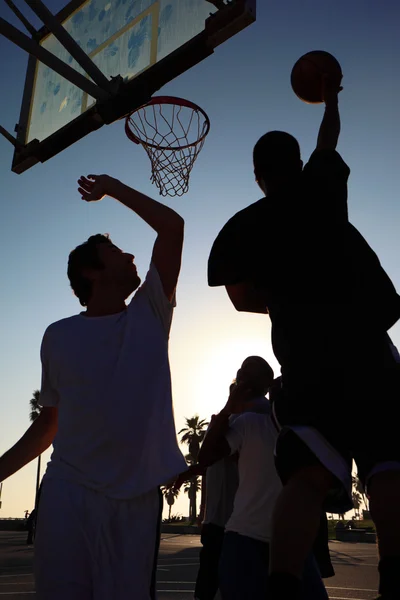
(250,420)
(247,215)
(151,295)
(61,325)
(227,263)
(55,331)
(326,161)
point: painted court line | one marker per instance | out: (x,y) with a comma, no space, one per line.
(344,598)
(16,575)
(191,592)
(327,587)
(196,564)
(351,589)
(16,583)
(15,593)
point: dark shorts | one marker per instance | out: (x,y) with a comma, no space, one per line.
(207,582)
(244,571)
(340,416)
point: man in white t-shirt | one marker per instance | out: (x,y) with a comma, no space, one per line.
(221,483)
(107,405)
(245,550)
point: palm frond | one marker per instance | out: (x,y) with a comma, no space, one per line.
(35,406)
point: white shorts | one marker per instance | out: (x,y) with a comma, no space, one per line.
(89,547)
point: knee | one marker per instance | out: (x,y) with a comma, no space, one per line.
(384,490)
(316,479)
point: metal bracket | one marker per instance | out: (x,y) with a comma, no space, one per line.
(70,44)
(29,45)
(228,21)
(10,138)
(22,18)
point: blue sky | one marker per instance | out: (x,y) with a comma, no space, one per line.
(245,88)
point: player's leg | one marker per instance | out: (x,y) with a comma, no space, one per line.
(207,582)
(378,461)
(62,563)
(313,586)
(126,547)
(384,493)
(312,471)
(297,511)
(243,572)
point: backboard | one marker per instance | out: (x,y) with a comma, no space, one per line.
(139,45)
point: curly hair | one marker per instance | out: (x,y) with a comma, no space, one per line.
(84,257)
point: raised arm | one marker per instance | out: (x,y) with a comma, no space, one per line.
(215,445)
(36,440)
(329,130)
(168,225)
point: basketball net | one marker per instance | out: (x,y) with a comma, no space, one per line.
(172,131)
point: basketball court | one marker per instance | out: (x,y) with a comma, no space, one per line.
(355,566)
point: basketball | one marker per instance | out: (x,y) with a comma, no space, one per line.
(307,73)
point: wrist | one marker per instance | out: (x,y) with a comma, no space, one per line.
(111,186)
(332,103)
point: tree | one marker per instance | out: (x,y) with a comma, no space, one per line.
(358,487)
(356,497)
(191,488)
(35,410)
(192,435)
(170,495)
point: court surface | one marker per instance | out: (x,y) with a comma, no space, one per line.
(355,566)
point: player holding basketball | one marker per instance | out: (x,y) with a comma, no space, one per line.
(106,396)
(295,255)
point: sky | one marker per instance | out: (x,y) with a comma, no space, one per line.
(245,89)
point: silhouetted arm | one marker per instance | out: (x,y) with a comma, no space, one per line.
(169,226)
(329,130)
(215,446)
(246,298)
(36,440)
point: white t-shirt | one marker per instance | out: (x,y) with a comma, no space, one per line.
(222,478)
(110,379)
(254,437)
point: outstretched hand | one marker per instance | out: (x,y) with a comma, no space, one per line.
(93,187)
(331,87)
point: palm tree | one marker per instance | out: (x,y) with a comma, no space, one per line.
(358,487)
(193,435)
(35,410)
(356,497)
(191,488)
(170,494)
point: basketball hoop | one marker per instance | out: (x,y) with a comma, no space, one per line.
(172,131)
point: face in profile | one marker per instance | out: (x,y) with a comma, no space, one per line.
(119,269)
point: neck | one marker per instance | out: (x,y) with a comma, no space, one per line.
(102,305)
(280,184)
(256,394)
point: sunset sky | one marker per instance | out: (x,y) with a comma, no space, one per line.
(245,89)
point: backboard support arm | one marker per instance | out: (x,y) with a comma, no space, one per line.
(70,44)
(28,26)
(29,45)
(10,138)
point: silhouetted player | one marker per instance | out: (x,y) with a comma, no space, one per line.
(295,255)
(107,405)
